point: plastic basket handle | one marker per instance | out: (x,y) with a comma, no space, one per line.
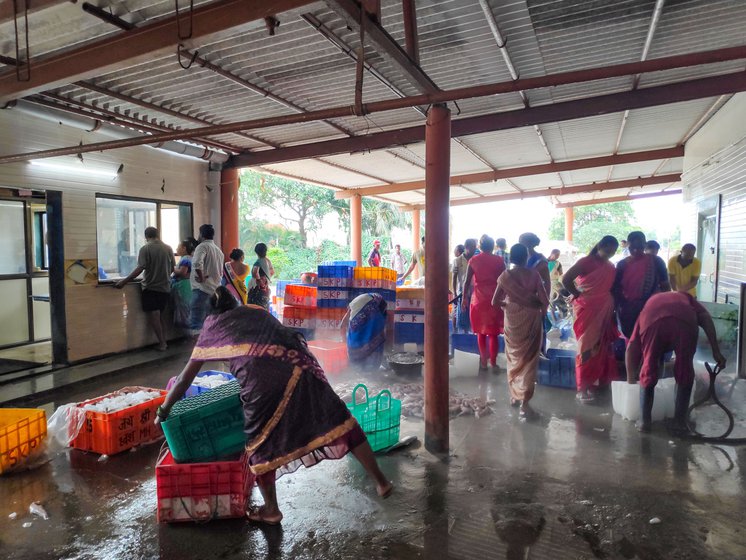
(381,395)
(354,394)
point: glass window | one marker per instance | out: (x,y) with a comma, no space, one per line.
(13,241)
(120,226)
(39,235)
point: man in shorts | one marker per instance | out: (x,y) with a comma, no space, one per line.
(156,263)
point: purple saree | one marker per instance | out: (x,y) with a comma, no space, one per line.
(292,415)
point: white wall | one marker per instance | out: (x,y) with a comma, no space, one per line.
(724,129)
(100,320)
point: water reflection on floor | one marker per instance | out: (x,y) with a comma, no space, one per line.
(575,482)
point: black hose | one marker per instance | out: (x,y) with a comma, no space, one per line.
(711,394)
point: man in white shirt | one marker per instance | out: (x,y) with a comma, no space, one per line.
(207,263)
(397,260)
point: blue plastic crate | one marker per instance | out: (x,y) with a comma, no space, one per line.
(409,332)
(465,342)
(195,390)
(557,369)
(281,284)
(332,303)
(335,271)
(339,263)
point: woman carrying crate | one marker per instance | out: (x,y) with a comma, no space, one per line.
(293,417)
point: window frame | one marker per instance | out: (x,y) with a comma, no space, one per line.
(158,203)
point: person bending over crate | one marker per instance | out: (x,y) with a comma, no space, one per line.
(293,417)
(669,321)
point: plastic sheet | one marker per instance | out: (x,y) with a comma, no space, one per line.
(64,426)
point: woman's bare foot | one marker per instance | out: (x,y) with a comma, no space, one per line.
(262,515)
(384,491)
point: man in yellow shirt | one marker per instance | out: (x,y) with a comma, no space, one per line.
(684,270)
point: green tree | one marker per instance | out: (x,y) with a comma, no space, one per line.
(304,206)
(593,221)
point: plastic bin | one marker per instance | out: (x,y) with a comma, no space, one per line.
(206,427)
(332,355)
(379,417)
(467,342)
(22,431)
(300,295)
(558,370)
(195,389)
(202,491)
(114,432)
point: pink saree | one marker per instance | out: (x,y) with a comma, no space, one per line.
(595,327)
(524,329)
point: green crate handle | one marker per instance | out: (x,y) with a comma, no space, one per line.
(354,394)
(379,398)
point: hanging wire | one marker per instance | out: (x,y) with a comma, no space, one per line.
(183,36)
(187,66)
(20,64)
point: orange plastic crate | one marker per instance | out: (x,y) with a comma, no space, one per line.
(300,295)
(202,491)
(114,432)
(332,355)
(22,431)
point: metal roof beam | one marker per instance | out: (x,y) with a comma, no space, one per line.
(588,202)
(510,173)
(384,44)
(138,45)
(560,191)
(556,112)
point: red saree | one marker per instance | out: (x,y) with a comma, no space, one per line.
(485,319)
(594,326)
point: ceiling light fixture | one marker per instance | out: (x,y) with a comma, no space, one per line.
(76,166)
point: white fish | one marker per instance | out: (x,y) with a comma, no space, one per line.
(35,508)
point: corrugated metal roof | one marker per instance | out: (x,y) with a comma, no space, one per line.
(302,66)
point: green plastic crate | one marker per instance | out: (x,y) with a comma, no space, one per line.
(379,417)
(206,427)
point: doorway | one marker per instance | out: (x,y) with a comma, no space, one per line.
(25,339)
(708,217)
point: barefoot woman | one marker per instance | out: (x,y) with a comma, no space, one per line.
(293,418)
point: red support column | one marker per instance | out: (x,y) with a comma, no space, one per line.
(229,183)
(569,219)
(437,174)
(356,229)
(415,238)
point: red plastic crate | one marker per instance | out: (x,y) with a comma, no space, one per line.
(332,355)
(202,491)
(299,317)
(114,432)
(300,295)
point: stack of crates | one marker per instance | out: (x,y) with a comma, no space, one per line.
(204,474)
(299,309)
(375,280)
(335,283)
(409,318)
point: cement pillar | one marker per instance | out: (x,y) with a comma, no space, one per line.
(229,183)
(569,218)
(356,229)
(416,238)
(437,190)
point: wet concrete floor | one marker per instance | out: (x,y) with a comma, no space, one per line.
(577,482)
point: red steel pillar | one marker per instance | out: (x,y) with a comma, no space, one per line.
(437,191)
(356,229)
(229,183)
(569,219)
(415,238)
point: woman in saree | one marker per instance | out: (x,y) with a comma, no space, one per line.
(261,274)
(364,327)
(638,277)
(589,282)
(234,276)
(292,416)
(520,292)
(486,320)
(181,287)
